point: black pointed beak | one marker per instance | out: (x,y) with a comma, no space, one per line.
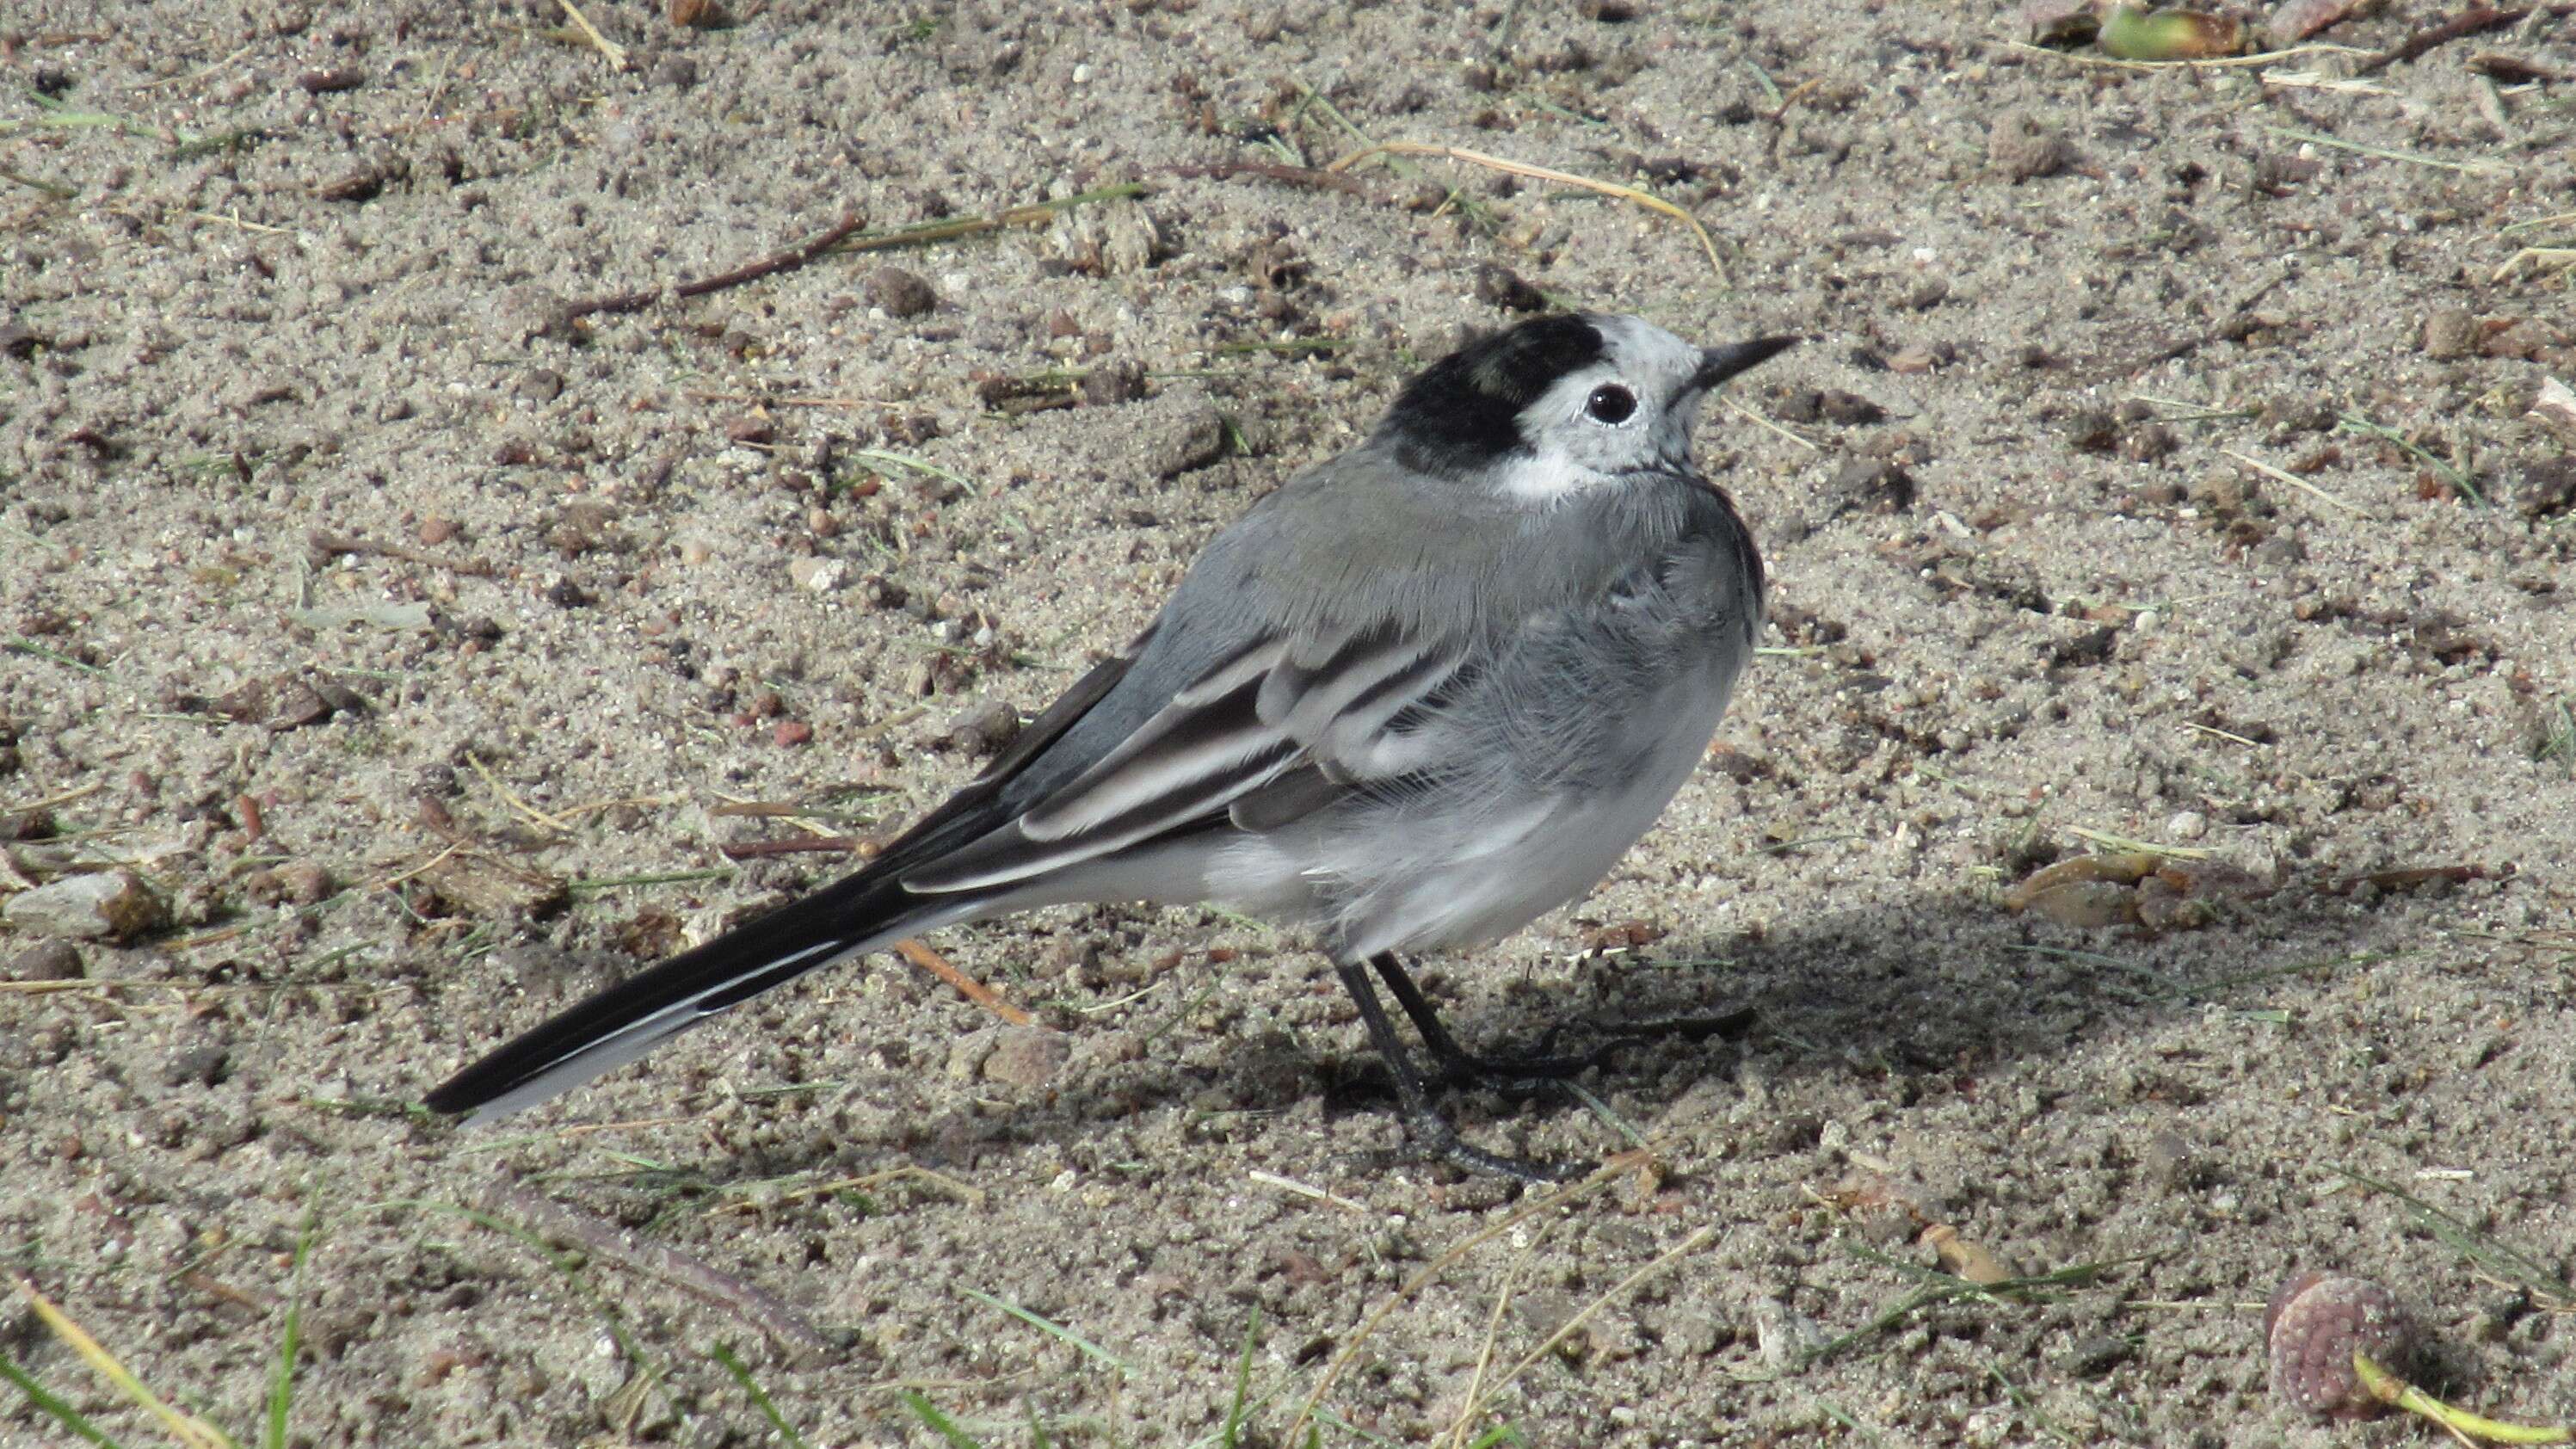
(1717,364)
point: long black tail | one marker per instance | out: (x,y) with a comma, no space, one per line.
(620,1023)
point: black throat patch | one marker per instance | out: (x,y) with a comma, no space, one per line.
(1463,412)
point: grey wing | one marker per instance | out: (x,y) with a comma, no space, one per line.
(1276,727)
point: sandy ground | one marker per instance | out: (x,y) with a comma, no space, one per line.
(419,651)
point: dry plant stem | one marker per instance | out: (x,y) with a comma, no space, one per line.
(514,799)
(965,1192)
(1617,1291)
(614,53)
(753,1305)
(964,226)
(768,266)
(2281,475)
(2224,62)
(326,542)
(191,1431)
(1645,199)
(1457,1434)
(2539,261)
(1608,1172)
(967,986)
(2389,1389)
(1275,171)
(2477,20)
(48,802)
(809,845)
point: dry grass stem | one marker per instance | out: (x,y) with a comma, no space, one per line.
(2536,262)
(512,798)
(1646,199)
(1740,410)
(1457,1435)
(191,1431)
(2280,475)
(2221,62)
(1305,1189)
(614,53)
(1610,1171)
(754,1305)
(1617,1291)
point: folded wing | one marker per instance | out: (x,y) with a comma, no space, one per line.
(1276,729)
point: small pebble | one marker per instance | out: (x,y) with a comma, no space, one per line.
(110,905)
(334,78)
(2021,148)
(45,961)
(984,727)
(2450,334)
(900,294)
(1848,409)
(1027,1056)
(1111,384)
(2148,442)
(818,575)
(435,530)
(2188,825)
(195,1063)
(791,732)
(1502,288)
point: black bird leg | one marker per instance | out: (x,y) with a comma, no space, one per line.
(1514,1074)
(1431,1130)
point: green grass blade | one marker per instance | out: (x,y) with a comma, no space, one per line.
(45,1402)
(281,1382)
(759,1397)
(1089,1349)
(940,1424)
(2540,1279)
(1233,1432)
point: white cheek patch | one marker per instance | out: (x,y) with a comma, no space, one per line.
(1546,478)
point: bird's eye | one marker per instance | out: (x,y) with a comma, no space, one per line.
(1610,404)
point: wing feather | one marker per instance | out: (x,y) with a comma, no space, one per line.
(1319,717)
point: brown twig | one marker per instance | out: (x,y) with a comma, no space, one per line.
(325,542)
(1275,171)
(768,266)
(754,1305)
(2476,20)
(967,986)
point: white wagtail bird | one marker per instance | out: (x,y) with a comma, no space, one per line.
(1425,692)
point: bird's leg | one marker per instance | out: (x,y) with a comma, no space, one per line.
(1432,1131)
(1521,1074)
(1508,1072)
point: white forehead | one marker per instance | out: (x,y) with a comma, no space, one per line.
(1643,350)
(1651,361)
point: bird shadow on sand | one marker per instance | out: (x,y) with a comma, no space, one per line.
(1912,997)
